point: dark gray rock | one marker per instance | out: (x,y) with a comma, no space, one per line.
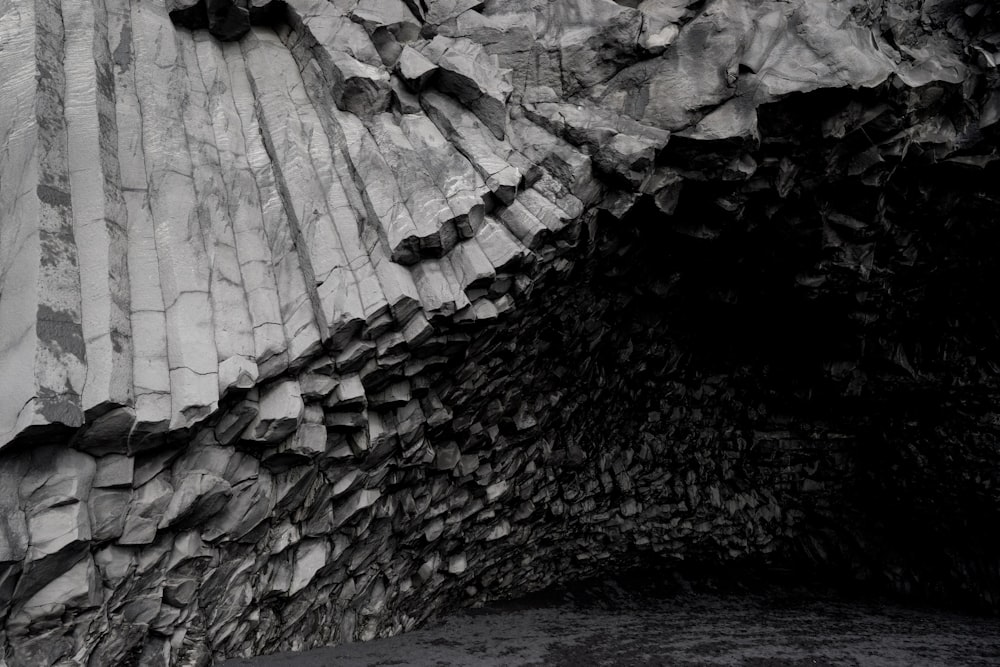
(320,318)
(227,20)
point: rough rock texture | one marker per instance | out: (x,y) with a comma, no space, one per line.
(389,307)
(605,625)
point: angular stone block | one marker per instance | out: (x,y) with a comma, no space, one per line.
(279,413)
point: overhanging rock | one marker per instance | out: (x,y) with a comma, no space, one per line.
(313,320)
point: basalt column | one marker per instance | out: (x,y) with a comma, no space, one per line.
(321,317)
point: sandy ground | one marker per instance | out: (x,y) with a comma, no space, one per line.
(757,630)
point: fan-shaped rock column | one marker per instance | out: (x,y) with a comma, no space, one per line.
(319,318)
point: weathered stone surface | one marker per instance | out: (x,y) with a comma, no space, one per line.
(99,214)
(107,508)
(414,67)
(185,272)
(197,496)
(114,470)
(57,518)
(42,349)
(110,433)
(234,340)
(345,55)
(392,16)
(450,172)
(403,100)
(468,73)
(330,26)
(296,297)
(150,370)
(473,139)
(319,317)
(72,591)
(278,414)
(243,197)
(146,508)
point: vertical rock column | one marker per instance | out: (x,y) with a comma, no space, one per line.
(42,355)
(150,370)
(230,310)
(272,69)
(162,86)
(298,315)
(256,263)
(98,208)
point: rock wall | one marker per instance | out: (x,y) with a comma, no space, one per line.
(319,317)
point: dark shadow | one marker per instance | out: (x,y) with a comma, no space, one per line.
(229,20)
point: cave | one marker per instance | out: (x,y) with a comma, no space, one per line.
(321,320)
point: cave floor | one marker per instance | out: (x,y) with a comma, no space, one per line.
(611,626)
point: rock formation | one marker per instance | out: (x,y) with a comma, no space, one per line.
(318,317)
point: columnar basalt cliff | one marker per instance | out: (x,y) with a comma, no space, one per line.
(320,317)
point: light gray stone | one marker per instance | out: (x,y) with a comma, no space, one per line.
(280,411)
(471,75)
(414,68)
(42,348)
